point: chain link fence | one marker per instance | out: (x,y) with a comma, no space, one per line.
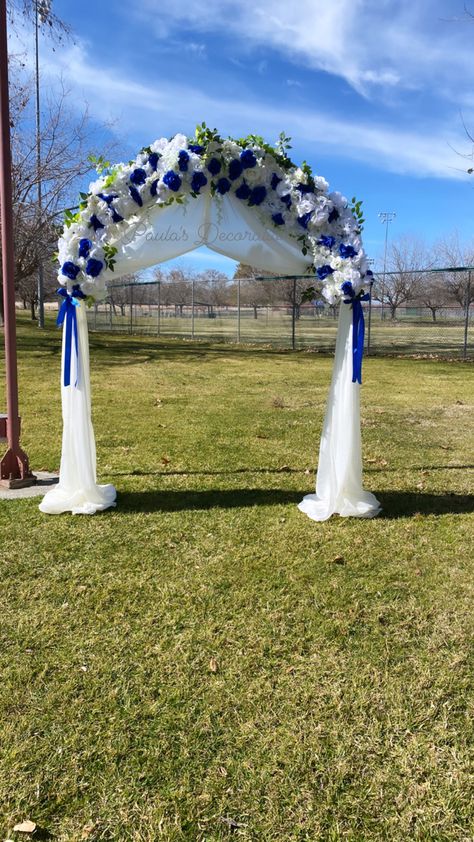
(273,311)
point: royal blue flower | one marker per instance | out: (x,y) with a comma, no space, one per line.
(85,246)
(275,181)
(95,223)
(70,270)
(286,199)
(172,180)
(327,242)
(223,185)
(333,215)
(214,166)
(348,289)
(248,159)
(198,180)
(115,216)
(153,159)
(138,176)
(153,187)
(257,195)
(135,195)
(183,159)
(107,197)
(347,251)
(304,188)
(324,271)
(243,192)
(304,219)
(94,267)
(278,219)
(235,169)
(196,148)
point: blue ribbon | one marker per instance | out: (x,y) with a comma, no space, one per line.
(68,313)
(358,328)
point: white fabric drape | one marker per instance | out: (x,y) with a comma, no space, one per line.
(227,226)
(77,490)
(339,479)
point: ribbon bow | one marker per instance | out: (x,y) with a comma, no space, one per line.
(68,313)
(358,327)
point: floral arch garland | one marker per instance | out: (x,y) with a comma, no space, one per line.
(321,228)
(287,198)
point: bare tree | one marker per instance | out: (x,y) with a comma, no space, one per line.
(451,253)
(253,293)
(406,257)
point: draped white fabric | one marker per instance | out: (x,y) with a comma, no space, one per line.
(229,227)
(339,480)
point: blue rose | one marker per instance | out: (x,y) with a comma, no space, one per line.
(333,215)
(107,198)
(196,148)
(257,195)
(115,216)
(348,289)
(135,195)
(70,270)
(235,169)
(286,199)
(183,159)
(304,188)
(347,251)
(243,192)
(223,185)
(278,219)
(198,180)
(153,159)
(324,271)
(248,159)
(303,220)
(94,267)
(138,176)
(214,166)
(95,223)
(172,180)
(153,187)
(275,181)
(85,246)
(327,242)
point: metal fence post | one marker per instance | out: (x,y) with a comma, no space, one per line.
(192,308)
(131,308)
(369,325)
(158,326)
(466,319)
(110,316)
(293,321)
(238,309)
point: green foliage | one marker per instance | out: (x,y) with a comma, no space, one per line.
(70,217)
(356,208)
(109,254)
(100,164)
(283,144)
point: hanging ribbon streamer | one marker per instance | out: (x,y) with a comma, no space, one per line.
(68,313)
(358,328)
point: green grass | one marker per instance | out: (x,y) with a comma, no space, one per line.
(195,665)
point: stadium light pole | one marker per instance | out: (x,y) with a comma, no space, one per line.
(14,467)
(386,217)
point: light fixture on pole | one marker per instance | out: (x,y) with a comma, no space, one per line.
(42,12)
(386,217)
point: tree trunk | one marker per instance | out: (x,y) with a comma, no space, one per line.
(393,311)
(32,307)
(433,312)
(255,312)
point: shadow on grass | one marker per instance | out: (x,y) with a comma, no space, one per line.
(138,472)
(396,504)
(176,501)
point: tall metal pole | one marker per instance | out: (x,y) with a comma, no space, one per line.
(14,467)
(293,319)
(385,218)
(38,175)
(238,309)
(192,308)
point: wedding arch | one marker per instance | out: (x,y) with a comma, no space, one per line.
(241,198)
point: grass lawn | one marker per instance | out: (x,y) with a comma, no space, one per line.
(206,663)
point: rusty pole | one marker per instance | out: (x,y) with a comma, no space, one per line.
(14,467)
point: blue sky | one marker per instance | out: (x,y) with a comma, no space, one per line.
(374,93)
